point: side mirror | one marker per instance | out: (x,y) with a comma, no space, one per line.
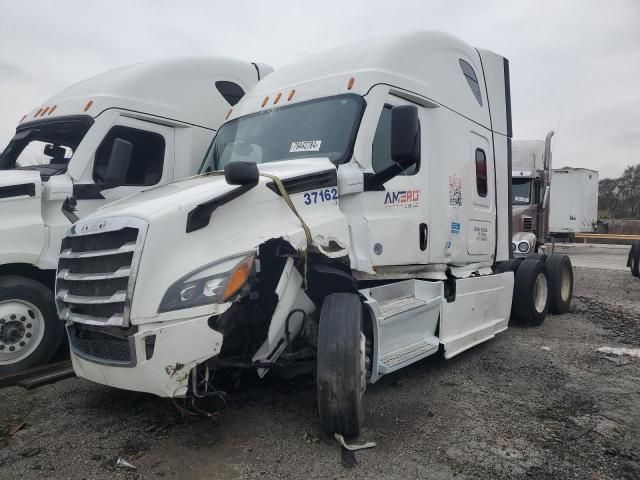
(119,160)
(241,173)
(405,135)
(405,145)
(51,150)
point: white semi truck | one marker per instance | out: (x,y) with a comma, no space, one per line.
(354,209)
(100,140)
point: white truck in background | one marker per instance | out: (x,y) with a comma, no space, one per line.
(574,204)
(100,140)
(354,212)
(532,197)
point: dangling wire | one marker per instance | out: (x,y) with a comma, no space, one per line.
(183,411)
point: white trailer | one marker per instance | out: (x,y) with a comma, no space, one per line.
(574,201)
(98,141)
(354,210)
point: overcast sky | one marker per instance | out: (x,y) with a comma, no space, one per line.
(575,65)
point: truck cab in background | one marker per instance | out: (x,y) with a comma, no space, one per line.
(531,199)
(98,141)
(353,212)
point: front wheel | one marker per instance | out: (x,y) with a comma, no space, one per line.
(531,293)
(341,362)
(30,331)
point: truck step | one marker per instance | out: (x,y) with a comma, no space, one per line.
(409,354)
(396,306)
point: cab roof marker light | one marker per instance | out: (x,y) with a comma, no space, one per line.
(46,109)
(52,109)
(37,113)
(264,102)
(22,119)
(226,117)
(277,99)
(350,83)
(291,94)
(88,105)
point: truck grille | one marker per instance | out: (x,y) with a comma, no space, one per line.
(101,347)
(527,224)
(97,271)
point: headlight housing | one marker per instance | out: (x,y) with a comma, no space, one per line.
(214,283)
(524,247)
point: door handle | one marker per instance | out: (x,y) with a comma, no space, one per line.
(424,236)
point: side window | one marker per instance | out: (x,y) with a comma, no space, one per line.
(481,172)
(232,92)
(147,156)
(381,148)
(472,80)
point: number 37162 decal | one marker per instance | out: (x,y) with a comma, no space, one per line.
(320,196)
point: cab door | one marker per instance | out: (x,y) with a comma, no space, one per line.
(397,213)
(150,163)
(481,211)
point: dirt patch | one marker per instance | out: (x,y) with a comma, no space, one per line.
(533,403)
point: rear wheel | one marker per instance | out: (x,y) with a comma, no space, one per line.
(531,293)
(560,275)
(341,365)
(634,259)
(30,331)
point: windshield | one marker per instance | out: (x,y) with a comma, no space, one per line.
(323,128)
(521,191)
(46,146)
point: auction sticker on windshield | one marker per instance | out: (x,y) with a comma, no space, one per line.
(306,146)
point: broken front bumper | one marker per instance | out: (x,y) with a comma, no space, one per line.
(157,359)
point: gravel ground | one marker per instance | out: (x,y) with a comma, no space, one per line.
(533,403)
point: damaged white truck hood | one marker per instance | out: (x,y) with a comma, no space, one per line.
(238,225)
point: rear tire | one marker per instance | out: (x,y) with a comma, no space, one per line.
(530,293)
(634,259)
(508,265)
(30,331)
(560,275)
(341,373)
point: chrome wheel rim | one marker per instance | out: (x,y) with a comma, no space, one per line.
(541,292)
(21,330)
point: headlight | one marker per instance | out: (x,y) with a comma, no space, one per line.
(215,283)
(513,246)
(523,247)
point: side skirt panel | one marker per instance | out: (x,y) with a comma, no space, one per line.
(481,310)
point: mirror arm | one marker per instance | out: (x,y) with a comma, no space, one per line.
(377,180)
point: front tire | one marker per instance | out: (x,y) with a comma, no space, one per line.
(341,373)
(30,331)
(560,274)
(531,293)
